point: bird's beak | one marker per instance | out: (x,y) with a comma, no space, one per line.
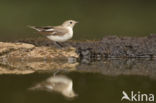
(76,22)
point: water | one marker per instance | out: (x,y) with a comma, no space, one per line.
(101,81)
(90,87)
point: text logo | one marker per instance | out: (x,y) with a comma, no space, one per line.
(138,96)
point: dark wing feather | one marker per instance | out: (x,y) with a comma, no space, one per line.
(50,30)
(43,29)
(57,30)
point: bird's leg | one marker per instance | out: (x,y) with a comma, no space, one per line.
(58,44)
(59,71)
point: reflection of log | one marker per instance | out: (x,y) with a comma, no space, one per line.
(27,67)
(116,67)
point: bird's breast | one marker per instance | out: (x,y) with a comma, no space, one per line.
(70,30)
(63,38)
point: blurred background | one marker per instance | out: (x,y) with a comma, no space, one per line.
(97,18)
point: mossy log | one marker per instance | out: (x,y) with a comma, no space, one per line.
(109,47)
(30,51)
(23,58)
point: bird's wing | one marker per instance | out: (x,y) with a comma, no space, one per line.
(50,30)
(58,30)
(40,29)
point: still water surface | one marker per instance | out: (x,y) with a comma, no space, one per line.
(97,82)
(89,87)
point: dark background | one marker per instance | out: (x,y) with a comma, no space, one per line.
(97,17)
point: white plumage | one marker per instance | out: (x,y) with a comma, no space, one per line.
(62,38)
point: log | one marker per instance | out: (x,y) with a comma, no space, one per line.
(40,55)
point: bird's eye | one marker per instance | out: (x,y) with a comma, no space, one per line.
(71,22)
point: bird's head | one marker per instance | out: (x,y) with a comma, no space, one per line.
(69,23)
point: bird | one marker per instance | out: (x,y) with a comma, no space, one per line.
(57,34)
(59,83)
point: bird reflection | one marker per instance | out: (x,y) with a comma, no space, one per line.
(57,83)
